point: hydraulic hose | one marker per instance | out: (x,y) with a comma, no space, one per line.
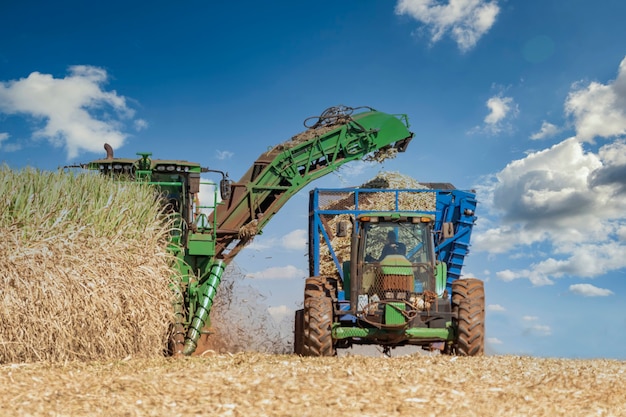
(207,293)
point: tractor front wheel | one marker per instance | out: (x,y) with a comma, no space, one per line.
(318,318)
(468,308)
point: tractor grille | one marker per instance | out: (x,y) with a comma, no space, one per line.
(394,282)
(400,296)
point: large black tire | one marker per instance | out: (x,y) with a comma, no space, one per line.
(468,308)
(298,334)
(318,318)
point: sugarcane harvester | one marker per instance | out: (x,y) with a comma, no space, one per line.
(209,235)
(395,279)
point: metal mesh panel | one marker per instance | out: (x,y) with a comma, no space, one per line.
(334,200)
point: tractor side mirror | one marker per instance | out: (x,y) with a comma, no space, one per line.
(342,229)
(225,188)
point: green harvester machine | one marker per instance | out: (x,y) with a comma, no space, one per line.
(209,236)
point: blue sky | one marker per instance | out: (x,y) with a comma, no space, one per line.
(523,101)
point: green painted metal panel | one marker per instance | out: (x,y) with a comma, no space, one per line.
(340,332)
(393,313)
(201,244)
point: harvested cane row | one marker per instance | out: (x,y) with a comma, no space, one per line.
(85,268)
(86,274)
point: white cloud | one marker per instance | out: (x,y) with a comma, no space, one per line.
(279,272)
(499,108)
(547,130)
(72,112)
(530,318)
(566,197)
(589,290)
(466,21)
(494,341)
(222,155)
(295,240)
(495,307)
(501,111)
(8,147)
(599,109)
(535,277)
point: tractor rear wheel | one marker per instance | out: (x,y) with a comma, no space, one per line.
(318,318)
(468,308)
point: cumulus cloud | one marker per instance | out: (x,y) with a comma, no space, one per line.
(567,198)
(495,307)
(599,109)
(547,130)
(73,112)
(500,109)
(547,186)
(295,240)
(588,290)
(279,272)
(7,146)
(613,172)
(465,21)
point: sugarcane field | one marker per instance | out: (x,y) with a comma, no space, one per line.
(86,317)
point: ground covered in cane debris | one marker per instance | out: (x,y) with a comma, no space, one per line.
(254,384)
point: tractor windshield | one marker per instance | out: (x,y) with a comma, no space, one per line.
(398,261)
(411,240)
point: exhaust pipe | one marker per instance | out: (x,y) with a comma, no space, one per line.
(109,150)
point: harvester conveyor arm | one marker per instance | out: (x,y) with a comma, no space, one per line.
(287,168)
